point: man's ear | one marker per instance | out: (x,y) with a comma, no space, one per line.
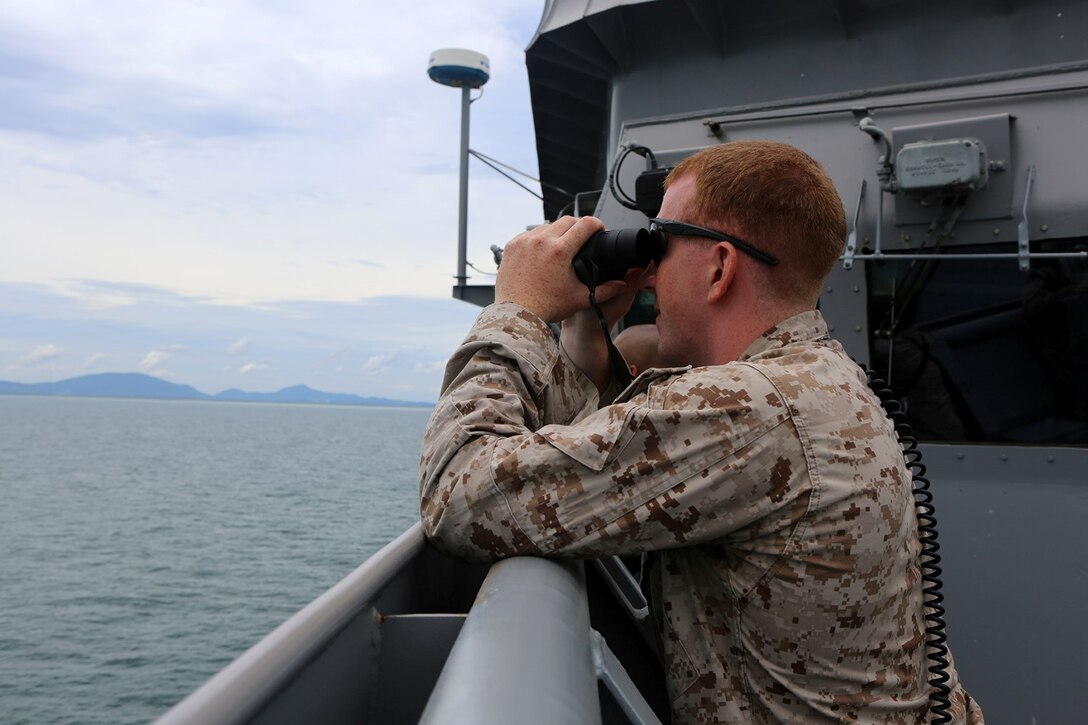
(724,270)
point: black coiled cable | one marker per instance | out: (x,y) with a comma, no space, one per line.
(930,560)
(617,192)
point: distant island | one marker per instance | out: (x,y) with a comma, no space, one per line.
(138,385)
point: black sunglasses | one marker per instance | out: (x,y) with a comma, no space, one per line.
(660,227)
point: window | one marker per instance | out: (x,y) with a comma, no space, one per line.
(977,350)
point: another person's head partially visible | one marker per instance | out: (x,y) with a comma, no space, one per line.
(638,345)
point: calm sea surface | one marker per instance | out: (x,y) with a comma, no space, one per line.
(146,544)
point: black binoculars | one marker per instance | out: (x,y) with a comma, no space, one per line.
(609,254)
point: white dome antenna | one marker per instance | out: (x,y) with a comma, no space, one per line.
(459,68)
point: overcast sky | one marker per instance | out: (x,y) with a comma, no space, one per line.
(249,194)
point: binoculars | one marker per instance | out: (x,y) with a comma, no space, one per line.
(609,254)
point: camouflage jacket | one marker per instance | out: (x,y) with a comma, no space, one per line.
(772,490)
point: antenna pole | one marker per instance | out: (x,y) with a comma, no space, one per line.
(462,218)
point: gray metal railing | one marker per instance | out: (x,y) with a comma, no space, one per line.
(527,654)
(239,691)
(524,653)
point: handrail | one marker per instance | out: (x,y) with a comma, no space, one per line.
(523,654)
(527,654)
(238,691)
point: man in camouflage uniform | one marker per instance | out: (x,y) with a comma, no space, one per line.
(758,469)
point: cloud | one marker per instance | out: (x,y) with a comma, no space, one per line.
(378,363)
(153,361)
(240,346)
(235,68)
(107,296)
(98,299)
(252,367)
(225,127)
(318,343)
(40,354)
(93,360)
(427,368)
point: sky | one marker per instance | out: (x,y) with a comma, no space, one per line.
(250,194)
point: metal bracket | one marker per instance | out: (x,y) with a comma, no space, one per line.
(627,592)
(611,673)
(1023,255)
(1022,230)
(852,237)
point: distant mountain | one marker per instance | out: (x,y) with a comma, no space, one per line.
(304,394)
(108,385)
(138,385)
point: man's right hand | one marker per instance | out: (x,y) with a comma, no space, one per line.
(536,273)
(536,270)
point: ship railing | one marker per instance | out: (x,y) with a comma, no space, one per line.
(242,691)
(391,642)
(527,654)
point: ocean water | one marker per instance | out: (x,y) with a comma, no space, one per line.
(146,544)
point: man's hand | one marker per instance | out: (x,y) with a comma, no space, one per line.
(536,270)
(536,273)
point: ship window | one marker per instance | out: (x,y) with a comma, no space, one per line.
(976,350)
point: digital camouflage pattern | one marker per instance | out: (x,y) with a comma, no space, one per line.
(772,490)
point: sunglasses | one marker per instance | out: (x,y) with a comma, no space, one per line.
(660,227)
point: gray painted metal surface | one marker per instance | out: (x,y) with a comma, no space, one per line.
(524,652)
(527,652)
(1045,132)
(629,596)
(368,650)
(618,686)
(246,686)
(1011,521)
(462,201)
(372,649)
(407,667)
(594,65)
